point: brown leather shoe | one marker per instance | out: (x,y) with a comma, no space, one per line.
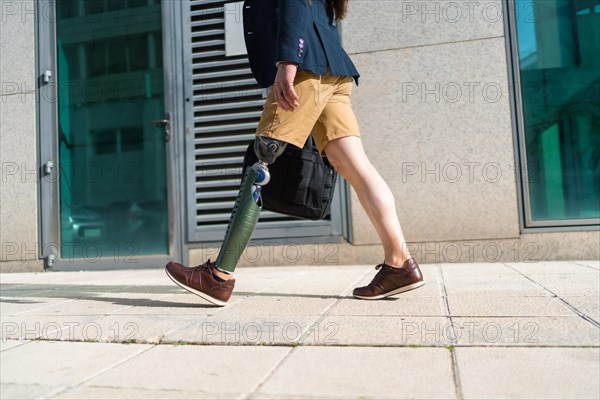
(200,281)
(390,281)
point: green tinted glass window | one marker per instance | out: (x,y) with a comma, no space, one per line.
(113,186)
(559,59)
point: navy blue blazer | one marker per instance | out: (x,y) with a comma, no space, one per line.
(293,30)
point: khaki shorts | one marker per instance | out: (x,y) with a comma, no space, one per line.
(325,111)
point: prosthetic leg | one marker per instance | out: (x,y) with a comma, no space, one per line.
(248,204)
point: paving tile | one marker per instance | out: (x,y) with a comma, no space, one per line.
(590,277)
(526,331)
(573,289)
(248,284)
(6,344)
(266,304)
(529,373)
(111,393)
(209,369)
(381,330)
(487,279)
(26,290)
(566,284)
(20,277)
(545,267)
(114,277)
(101,304)
(502,285)
(6,287)
(588,305)
(273,272)
(589,263)
(319,281)
(394,306)
(245,329)
(93,328)
(6,278)
(131,328)
(181,303)
(61,363)
(34,309)
(59,328)
(277,273)
(361,372)
(14,391)
(489,306)
(464,272)
(75,291)
(459,271)
(14,305)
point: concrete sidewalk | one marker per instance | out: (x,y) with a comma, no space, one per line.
(474,331)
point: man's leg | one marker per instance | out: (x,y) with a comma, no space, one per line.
(247,206)
(213,281)
(348,157)
(399,272)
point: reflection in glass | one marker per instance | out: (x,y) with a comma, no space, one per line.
(113,171)
(559,56)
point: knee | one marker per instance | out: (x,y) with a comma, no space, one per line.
(340,165)
(334,163)
(340,159)
(267,150)
(351,170)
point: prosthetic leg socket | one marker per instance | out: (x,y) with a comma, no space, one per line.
(243,220)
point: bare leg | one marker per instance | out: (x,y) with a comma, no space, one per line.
(349,159)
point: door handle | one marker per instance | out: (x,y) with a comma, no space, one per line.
(165,124)
(160,122)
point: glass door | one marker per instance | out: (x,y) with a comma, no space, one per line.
(113,134)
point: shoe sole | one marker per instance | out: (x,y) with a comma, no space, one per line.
(393,292)
(198,293)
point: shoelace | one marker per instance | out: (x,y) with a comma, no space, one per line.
(206,265)
(199,268)
(378,276)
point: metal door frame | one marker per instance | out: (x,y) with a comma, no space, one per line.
(47,127)
(329,231)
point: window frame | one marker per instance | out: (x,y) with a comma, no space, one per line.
(527,224)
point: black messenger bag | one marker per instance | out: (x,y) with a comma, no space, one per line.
(302,182)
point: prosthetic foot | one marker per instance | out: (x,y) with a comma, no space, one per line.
(248,204)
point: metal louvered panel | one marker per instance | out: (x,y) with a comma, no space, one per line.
(225,107)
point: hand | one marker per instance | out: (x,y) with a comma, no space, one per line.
(283,88)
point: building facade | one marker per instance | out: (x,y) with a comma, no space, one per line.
(123,125)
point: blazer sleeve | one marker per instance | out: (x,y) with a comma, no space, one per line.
(294,18)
